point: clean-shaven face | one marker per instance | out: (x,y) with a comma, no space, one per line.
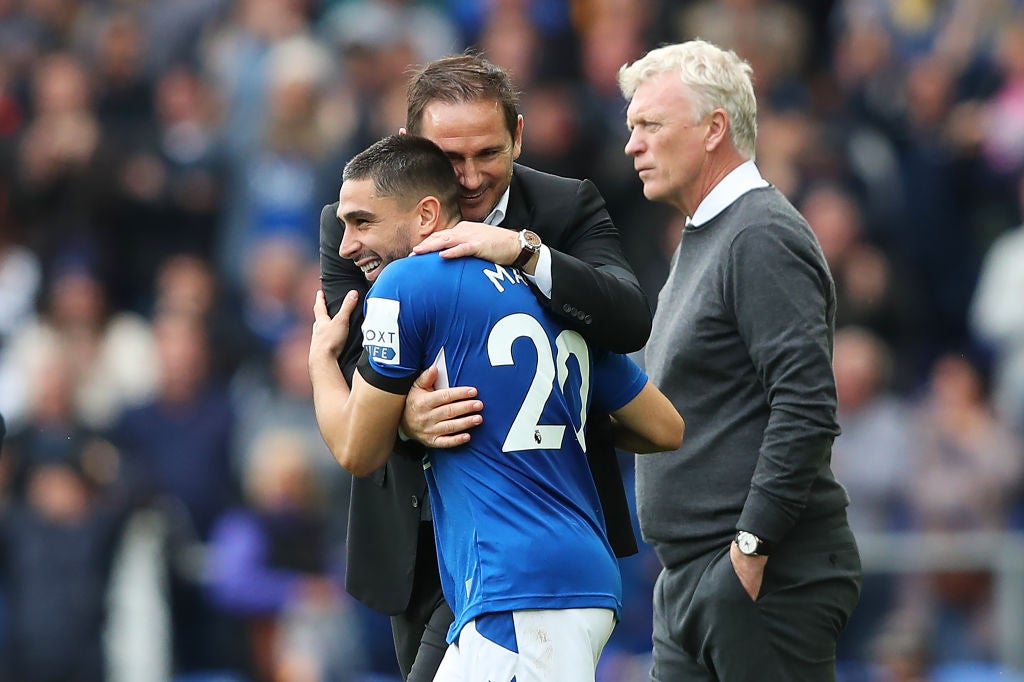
(377,229)
(480,147)
(666,141)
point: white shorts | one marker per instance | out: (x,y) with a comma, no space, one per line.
(548,645)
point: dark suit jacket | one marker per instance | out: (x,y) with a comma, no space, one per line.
(594,291)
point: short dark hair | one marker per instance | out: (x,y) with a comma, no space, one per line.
(457,79)
(408,167)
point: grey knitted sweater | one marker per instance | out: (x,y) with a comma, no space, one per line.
(742,345)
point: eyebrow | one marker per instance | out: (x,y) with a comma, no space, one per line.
(496,149)
(358,214)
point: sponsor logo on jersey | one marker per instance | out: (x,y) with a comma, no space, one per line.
(380,331)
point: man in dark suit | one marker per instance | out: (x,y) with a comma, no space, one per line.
(572,257)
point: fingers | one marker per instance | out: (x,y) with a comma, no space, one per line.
(435,242)
(453,431)
(461,251)
(439,399)
(425,381)
(348,304)
(443,442)
(320,307)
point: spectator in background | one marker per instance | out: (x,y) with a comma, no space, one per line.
(272,563)
(870,292)
(741,343)
(274,267)
(178,448)
(167,195)
(967,473)
(997,318)
(57,549)
(280,175)
(187,285)
(56,185)
(870,457)
(280,397)
(50,431)
(110,353)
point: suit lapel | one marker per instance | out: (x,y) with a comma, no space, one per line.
(518,214)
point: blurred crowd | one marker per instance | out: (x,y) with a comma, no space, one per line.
(167,507)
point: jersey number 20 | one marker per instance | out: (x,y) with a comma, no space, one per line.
(527,433)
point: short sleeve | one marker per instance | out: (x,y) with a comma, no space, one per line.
(396,327)
(617,380)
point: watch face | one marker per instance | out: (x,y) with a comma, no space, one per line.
(746,542)
(531,240)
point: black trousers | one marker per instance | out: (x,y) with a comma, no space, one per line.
(420,631)
(708,629)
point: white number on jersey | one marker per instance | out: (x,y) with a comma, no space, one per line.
(552,373)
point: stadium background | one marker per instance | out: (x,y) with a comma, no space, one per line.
(168,506)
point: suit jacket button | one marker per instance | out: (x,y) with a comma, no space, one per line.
(415,502)
(566,307)
(588,319)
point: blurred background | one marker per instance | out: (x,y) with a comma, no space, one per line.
(169,511)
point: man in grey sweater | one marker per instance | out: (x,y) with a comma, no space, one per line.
(760,569)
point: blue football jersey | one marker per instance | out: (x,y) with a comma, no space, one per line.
(517,518)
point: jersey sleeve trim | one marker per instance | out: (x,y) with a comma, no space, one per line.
(395,385)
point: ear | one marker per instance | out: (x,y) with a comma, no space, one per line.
(517,141)
(718,130)
(428,216)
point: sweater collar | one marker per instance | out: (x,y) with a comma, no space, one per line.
(738,182)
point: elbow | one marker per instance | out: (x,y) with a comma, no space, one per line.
(356,466)
(667,436)
(676,433)
(357,463)
(635,330)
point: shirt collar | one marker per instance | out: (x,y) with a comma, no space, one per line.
(497,214)
(738,182)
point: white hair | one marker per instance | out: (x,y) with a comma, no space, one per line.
(718,79)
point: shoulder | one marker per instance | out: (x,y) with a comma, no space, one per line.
(542,190)
(418,277)
(552,203)
(532,178)
(765,216)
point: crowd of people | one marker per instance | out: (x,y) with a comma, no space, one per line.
(162,171)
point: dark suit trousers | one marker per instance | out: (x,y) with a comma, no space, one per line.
(420,631)
(708,629)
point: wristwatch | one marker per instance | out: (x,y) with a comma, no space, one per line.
(529,244)
(751,545)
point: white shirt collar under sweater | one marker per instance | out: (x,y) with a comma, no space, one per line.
(738,182)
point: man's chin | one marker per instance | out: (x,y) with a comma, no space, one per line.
(475,210)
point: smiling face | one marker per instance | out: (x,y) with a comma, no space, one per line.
(378,230)
(479,145)
(667,141)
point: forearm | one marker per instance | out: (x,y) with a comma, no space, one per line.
(330,397)
(648,423)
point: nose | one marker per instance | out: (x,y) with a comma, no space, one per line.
(468,174)
(349,245)
(633,145)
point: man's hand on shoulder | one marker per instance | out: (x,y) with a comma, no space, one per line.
(488,242)
(439,418)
